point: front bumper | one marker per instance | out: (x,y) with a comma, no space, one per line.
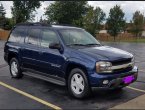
(114,80)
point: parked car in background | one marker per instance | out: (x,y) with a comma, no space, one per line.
(67,56)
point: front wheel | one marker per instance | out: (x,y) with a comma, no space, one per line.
(15,69)
(78,83)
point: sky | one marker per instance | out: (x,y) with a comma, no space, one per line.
(129,7)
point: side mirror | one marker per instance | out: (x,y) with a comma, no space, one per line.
(54,46)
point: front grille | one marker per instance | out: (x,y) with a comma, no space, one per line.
(123,69)
(121,62)
(117,64)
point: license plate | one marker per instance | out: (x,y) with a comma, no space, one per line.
(128,79)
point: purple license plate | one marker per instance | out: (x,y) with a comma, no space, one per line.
(128,79)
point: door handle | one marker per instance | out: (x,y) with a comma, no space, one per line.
(29,43)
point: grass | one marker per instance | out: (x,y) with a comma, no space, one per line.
(139,40)
(133,41)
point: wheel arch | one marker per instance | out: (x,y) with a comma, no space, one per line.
(12,55)
(73,65)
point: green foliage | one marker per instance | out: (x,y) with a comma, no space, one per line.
(22,11)
(66,12)
(2,11)
(115,21)
(2,16)
(93,20)
(137,23)
(9,24)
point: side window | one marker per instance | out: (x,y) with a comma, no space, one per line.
(47,37)
(33,36)
(18,35)
(23,34)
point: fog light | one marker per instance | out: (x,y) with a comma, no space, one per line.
(105,82)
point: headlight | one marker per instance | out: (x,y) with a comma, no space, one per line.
(103,67)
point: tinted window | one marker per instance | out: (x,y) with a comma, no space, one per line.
(48,36)
(18,35)
(33,36)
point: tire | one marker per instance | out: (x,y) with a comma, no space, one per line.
(15,70)
(78,85)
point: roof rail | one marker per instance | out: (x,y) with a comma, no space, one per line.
(33,24)
(70,25)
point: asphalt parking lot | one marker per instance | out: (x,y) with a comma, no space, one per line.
(32,93)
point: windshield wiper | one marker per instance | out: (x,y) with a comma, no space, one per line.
(93,44)
(82,44)
(76,44)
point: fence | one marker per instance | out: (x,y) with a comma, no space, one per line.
(120,37)
(4,34)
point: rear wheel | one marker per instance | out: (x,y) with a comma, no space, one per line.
(15,68)
(78,84)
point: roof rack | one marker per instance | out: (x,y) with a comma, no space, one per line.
(70,25)
(43,24)
(33,24)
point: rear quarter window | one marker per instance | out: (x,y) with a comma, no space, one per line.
(18,35)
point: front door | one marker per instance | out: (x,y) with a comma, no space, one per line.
(52,60)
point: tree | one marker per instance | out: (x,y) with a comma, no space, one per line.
(2,16)
(9,24)
(41,20)
(115,21)
(66,12)
(22,11)
(124,26)
(137,23)
(93,20)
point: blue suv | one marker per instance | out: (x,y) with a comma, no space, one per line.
(67,56)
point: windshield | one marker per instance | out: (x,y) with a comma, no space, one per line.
(78,37)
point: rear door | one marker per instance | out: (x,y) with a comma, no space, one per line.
(30,54)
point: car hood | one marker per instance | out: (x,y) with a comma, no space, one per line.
(106,53)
